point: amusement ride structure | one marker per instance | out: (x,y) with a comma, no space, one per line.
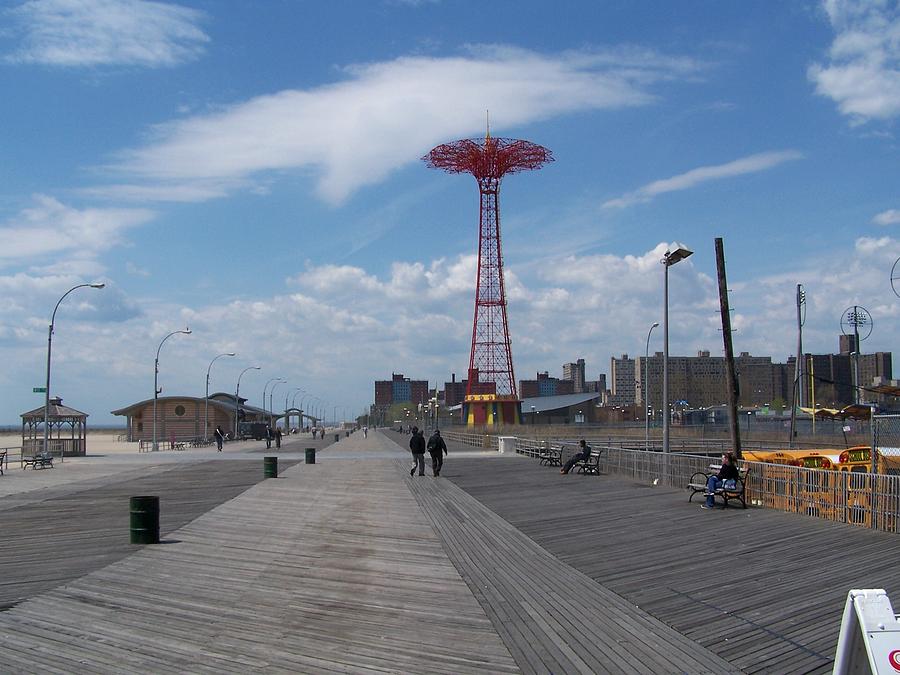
(491,395)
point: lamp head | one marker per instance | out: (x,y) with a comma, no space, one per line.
(230,354)
(186,331)
(655,324)
(98,284)
(676,256)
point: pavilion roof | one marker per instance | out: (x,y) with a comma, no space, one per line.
(57,411)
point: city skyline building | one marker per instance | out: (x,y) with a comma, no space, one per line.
(575,373)
(400,389)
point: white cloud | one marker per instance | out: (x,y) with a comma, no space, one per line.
(704,174)
(863,75)
(336,329)
(385,115)
(51,227)
(76,33)
(889,217)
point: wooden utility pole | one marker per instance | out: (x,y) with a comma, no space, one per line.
(731,382)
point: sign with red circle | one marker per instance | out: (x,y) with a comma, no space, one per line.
(894,659)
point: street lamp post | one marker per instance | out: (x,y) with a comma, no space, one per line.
(237,398)
(271,407)
(670,258)
(206,403)
(156,390)
(293,391)
(647,388)
(47,382)
(266,386)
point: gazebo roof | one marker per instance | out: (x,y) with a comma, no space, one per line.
(57,411)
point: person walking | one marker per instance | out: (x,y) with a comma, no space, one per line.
(268,436)
(584,453)
(417,448)
(277,437)
(437,448)
(220,438)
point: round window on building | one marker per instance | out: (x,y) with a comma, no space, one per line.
(179,410)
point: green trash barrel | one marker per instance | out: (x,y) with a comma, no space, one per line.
(310,455)
(270,467)
(346,434)
(144,520)
(337,437)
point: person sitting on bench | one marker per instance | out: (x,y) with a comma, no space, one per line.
(726,478)
(583,455)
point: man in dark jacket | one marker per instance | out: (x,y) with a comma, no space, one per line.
(417,447)
(435,447)
(584,453)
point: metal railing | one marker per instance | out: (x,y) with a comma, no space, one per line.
(856,498)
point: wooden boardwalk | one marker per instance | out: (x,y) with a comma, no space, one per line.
(350,565)
(764,590)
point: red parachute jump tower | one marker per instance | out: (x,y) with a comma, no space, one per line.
(491,396)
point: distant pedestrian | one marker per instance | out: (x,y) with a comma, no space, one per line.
(268,436)
(417,448)
(277,437)
(365,432)
(436,445)
(220,438)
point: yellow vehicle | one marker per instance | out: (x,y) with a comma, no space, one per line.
(857,459)
(807,459)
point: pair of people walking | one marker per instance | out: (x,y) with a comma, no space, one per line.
(436,447)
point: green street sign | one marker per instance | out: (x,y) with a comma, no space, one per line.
(39,390)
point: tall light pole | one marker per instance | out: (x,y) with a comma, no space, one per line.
(271,408)
(186,331)
(206,403)
(647,388)
(670,258)
(266,386)
(237,398)
(294,391)
(49,347)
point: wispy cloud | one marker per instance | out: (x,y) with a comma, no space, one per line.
(50,227)
(889,217)
(704,174)
(385,115)
(77,33)
(863,74)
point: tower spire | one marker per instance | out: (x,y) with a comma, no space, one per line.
(487,119)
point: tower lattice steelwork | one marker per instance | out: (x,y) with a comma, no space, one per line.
(491,396)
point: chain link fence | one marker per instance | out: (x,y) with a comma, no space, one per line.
(886,437)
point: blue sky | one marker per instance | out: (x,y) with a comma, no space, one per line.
(253,170)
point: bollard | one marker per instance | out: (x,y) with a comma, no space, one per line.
(310,455)
(337,438)
(270,467)
(144,520)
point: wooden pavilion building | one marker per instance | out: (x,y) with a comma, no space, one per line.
(181,418)
(67,435)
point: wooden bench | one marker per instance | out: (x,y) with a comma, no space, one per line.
(699,479)
(550,456)
(42,460)
(591,465)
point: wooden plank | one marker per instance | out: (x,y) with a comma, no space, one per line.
(776,582)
